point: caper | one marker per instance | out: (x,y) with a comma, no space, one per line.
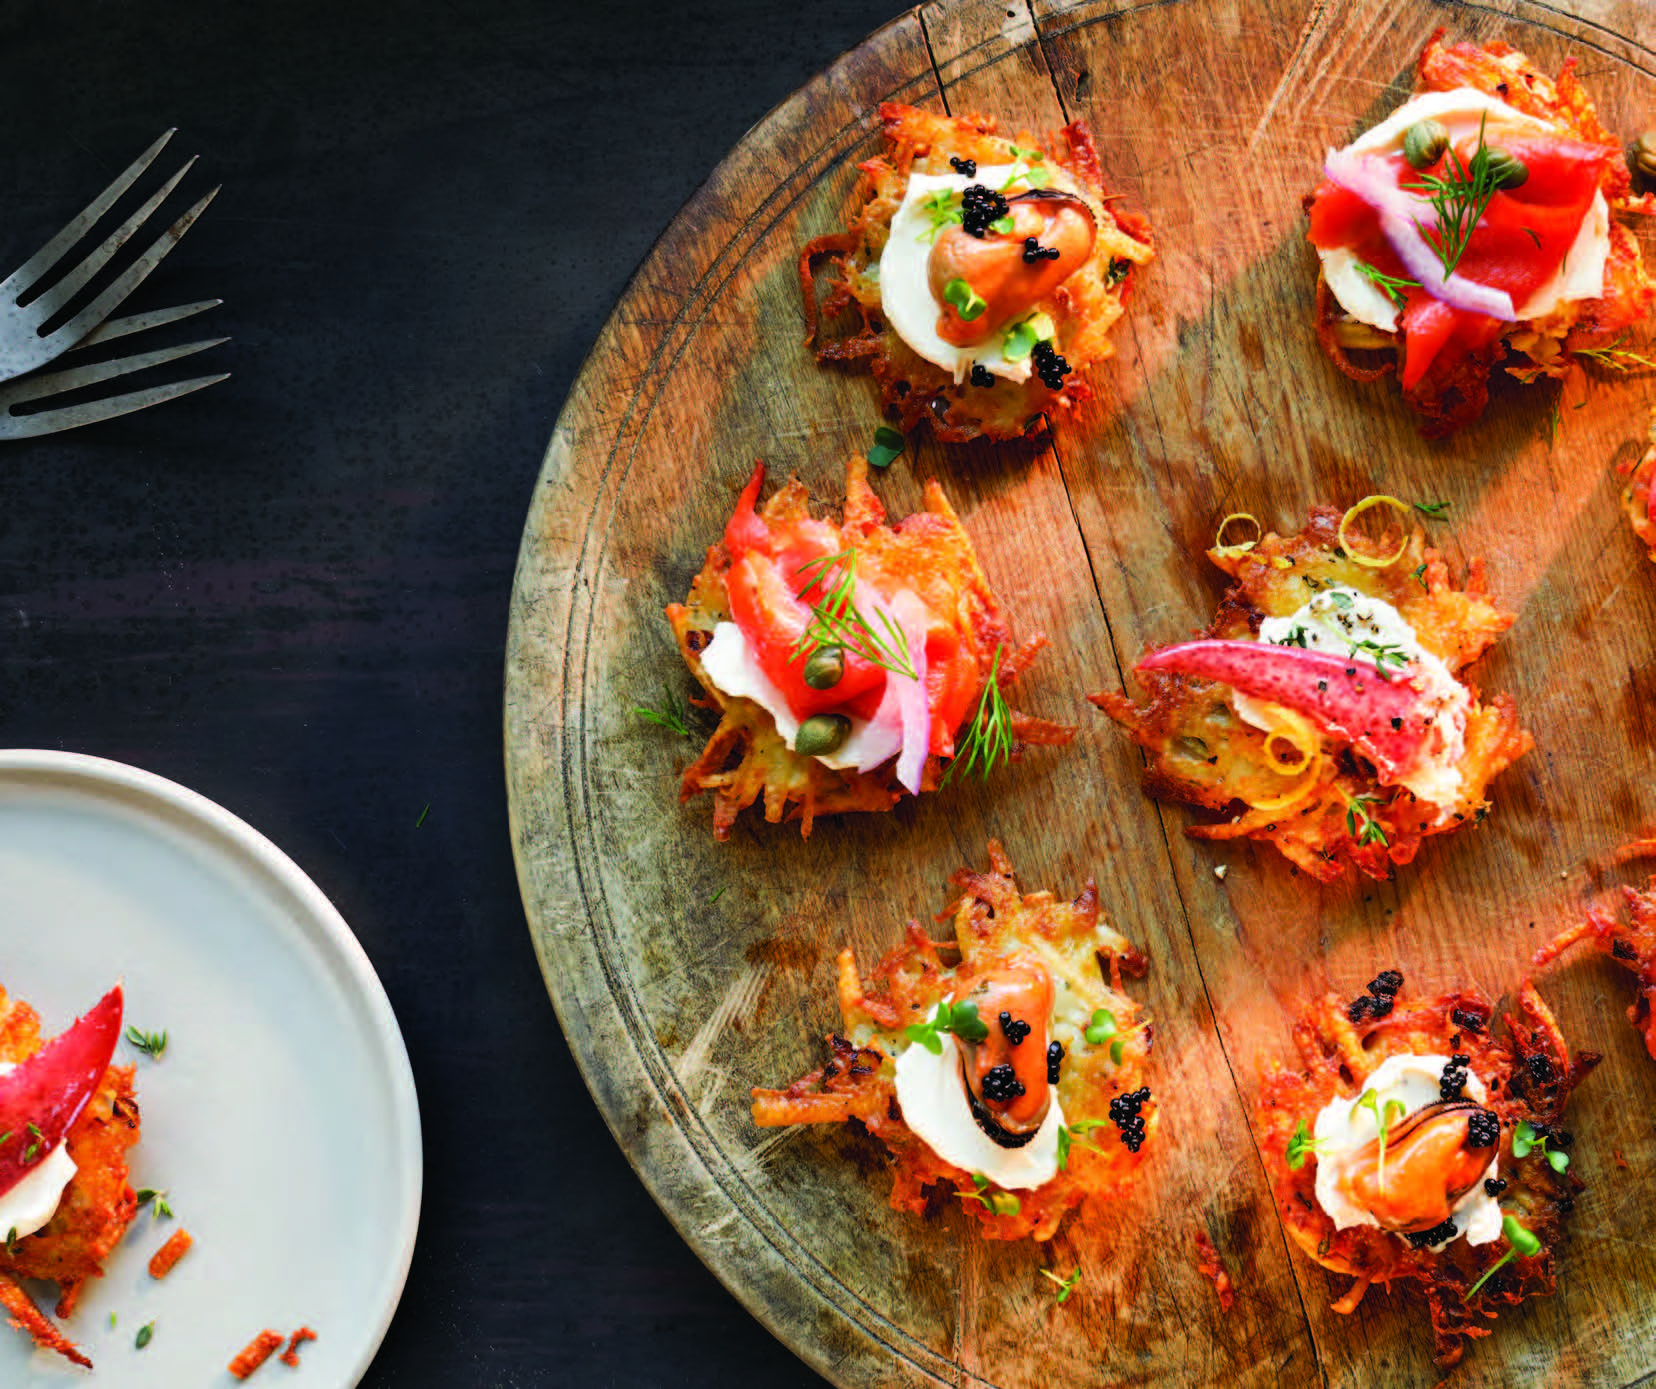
(1424,143)
(1641,162)
(1506,170)
(825,667)
(821,734)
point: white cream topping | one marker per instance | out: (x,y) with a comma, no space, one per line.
(730,664)
(1347,1130)
(905,274)
(932,1094)
(30,1204)
(1581,276)
(1335,620)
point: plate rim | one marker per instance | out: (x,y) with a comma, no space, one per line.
(332,933)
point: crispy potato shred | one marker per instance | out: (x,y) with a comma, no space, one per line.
(1326,810)
(97,1206)
(1632,945)
(1455,389)
(1529,1074)
(746,759)
(993,921)
(1636,496)
(1084,307)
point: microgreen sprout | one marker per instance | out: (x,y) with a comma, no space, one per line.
(146,1333)
(670,716)
(942,210)
(1435,510)
(835,620)
(1101,1028)
(1526,1138)
(1392,286)
(1362,826)
(995,1202)
(152,1044)
(1072,1135)
(157,1202)
(1615,356)
(1301,1146)
(988,740)
(1383,1119)
(1022,336)
(959,1018)
(1522,1243)
(1065,1285)
(968,303)
(888,447)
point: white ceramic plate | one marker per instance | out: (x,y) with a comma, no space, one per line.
(282,1119)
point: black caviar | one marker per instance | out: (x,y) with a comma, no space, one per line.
(1125,1115)
(1001,1083)
(981,376)
(967,168)
(1494,1186)
(1453,1080)
(1014,1029)
(1034,252)
(1438,1234)
(1483,1129)
(980,208)
(1049,366)
(1055,1059)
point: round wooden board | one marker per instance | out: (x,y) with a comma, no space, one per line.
(685,972)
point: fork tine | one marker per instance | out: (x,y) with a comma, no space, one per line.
(136,323)
(130,278)
(70,417)
(53,251)
(27,388)
(65,289)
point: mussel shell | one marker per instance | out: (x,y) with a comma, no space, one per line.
(1055,197)
(1398,1137)
(986,1121)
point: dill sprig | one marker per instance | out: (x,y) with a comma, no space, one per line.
(1459,196)
(1614,356)
(670,716)
(1394,287)
(988,740)
(835,620)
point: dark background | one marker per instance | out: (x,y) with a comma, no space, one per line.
(289,592)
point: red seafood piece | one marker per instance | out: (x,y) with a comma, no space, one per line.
(42,1098)
(1384,718)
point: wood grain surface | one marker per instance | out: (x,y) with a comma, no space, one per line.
(685,972)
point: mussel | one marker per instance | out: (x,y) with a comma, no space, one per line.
(1432,1159)
(1051,235)
(1004,1073)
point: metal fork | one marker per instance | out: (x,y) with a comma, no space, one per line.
(23,344)
(31,388)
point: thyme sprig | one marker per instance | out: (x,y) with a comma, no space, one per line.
(1459,197)
(1381,653)
(988,741)
(835,620)
(1362,826)
(152,1044)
